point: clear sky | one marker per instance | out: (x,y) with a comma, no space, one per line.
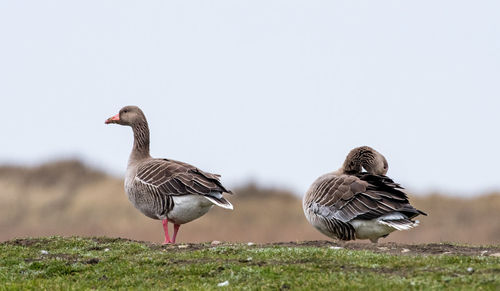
(276,92)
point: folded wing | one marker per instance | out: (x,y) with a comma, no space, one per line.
(360,196)
(171,178)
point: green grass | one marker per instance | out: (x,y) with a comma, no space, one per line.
(103,263)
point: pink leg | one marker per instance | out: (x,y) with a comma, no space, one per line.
(176,229)
(165,228)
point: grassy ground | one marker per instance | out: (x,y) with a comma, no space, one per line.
(57,263)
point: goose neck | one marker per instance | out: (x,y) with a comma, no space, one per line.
(140,149)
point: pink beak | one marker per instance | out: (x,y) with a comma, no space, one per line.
(112,119)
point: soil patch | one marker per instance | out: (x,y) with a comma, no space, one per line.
(68,258)
(398,248)
(388,248)
(23,242)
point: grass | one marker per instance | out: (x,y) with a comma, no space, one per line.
(57,263)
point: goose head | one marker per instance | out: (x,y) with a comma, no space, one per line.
(366,158)
(128,115)
(378,165)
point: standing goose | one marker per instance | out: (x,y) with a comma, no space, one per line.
(350,204)
(166,189)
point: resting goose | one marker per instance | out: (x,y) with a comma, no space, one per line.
(350,204)
(164,189)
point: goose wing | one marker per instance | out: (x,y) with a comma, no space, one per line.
(171,177)
(360,196)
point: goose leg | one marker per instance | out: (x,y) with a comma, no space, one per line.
(176,229)
(165,229)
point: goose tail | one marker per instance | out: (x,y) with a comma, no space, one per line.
(219,200)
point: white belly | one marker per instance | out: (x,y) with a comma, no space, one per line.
(370,229)
(188,208)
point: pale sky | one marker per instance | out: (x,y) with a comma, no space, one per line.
(275,92)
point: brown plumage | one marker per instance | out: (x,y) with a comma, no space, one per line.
(349,204)
(174,178)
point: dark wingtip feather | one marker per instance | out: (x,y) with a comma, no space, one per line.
(421,212)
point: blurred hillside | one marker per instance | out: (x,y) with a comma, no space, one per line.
(69,198)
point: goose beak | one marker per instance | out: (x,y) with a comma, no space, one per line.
(113,119)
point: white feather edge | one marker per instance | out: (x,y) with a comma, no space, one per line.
(225,206)
(398,221)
